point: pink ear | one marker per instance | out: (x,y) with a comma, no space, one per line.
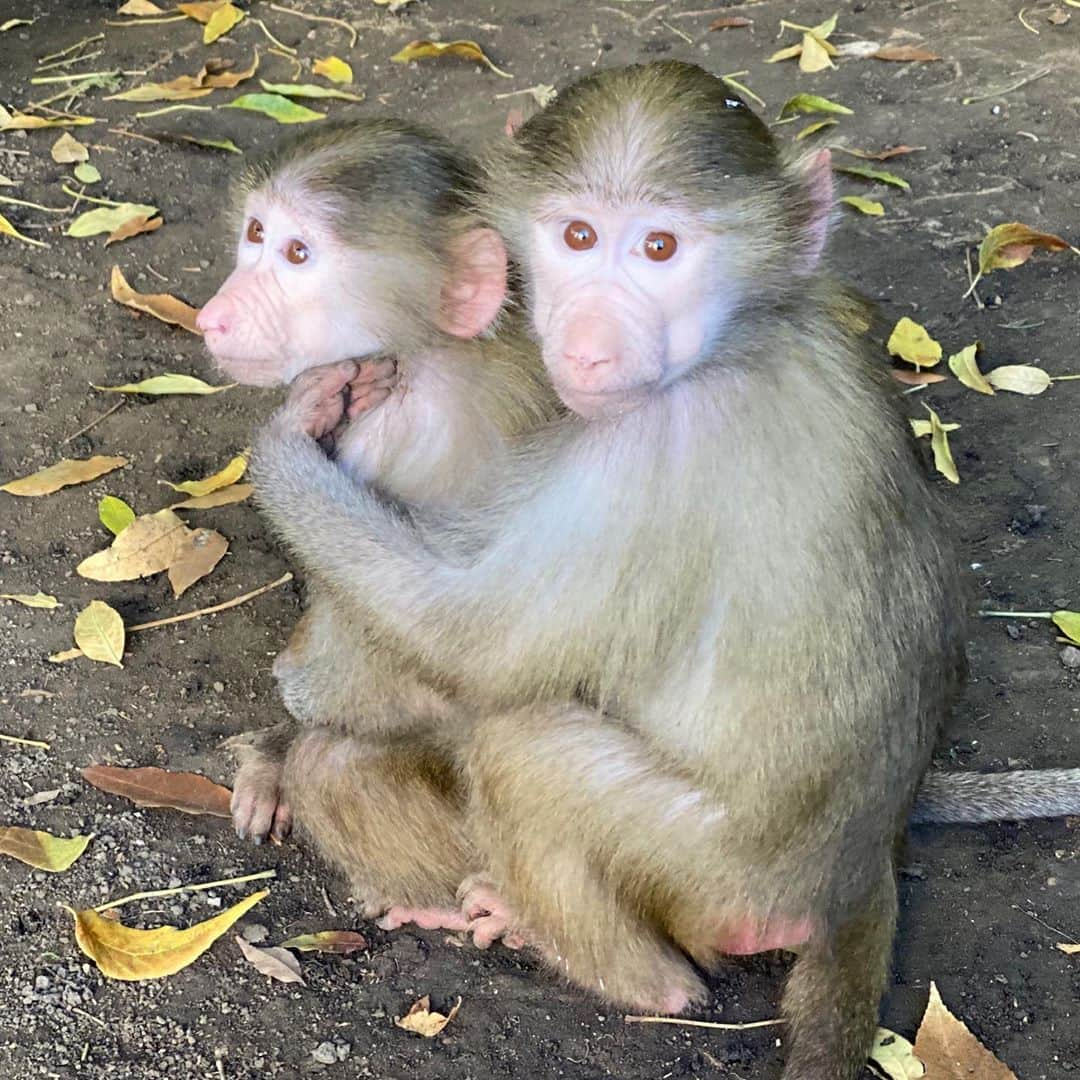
(514,119)
(476,283)
(819,188)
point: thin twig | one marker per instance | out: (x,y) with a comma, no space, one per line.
(133,135)
(326,901)
(25,742)
(71,48)
(279,44)
(154,893)
(1016,614)
(88,1016)
(1006,89)
(74,60)
(973,280)
(145,22)
(10,200)
(210,610)
(351,30)
(94,423)
(701,1023)
(173,108)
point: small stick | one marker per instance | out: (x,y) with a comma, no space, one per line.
(1016,614)
(133,135)
(71,48)
(279,44)
(144,22)
(973,280)
(210,610)
(14,153)
(351,30)
(701,1023)
(42,80)
(73,60)
(1006,89)
(173,108)
(94,423)
(88,1016)
(25,742)
(12,201)
(326,901)
(154,893)
(1024,23)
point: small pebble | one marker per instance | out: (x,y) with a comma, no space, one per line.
(1070,657)
(219,688)
(325,1054)
(253,933)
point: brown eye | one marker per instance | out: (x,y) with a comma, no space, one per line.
(580,236)
(297,252)
(254,231)
(660,246)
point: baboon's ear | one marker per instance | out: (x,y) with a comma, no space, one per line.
(476,283)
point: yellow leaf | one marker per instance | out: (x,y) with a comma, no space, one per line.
(198,553)
(911,342)
(140,7)
(40,849)
(99,632)
(948,1049)
(10,24)
(162,92)
(221,22)
(1019,379)
(64,473)
(895,1056)
(147,546)
(1068,622)
(1006,246)
(422,1021)
(22,122)
(108,219)
(233,494)
(307,90)
(1068,949)
(939,443)
(813,129)
(115,514)
(34,600)
(64,656)
(467,50)
(67,150)
(964,367)
(785,54)
(923,428)
(202,10)
(222,478)
(160,305)
(7,229)
(334,69)
(825,29)
(122,952)
(864,206)
(815,54)
(170,383)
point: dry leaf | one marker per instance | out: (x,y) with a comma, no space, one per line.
(274,962)
(7,229)
(1068,622)
(730,22)
(122,952)
(815,55)
(141,223)
(939,443)
(864,206)
(219,73)
(1058,17)
(64,656)
(100,634)
(161,306)
(162,92)
(873,174)
(813,129)
(341,942)
(949,1050)
(911,342)
(169,383)
(812,103)
(202,11)
(422,1021)
(32,600)
(1012,244)
(22,122)
(1068,949)
(40,849)
(894,1056)
(187,792)
(233,494)
(467,50)
(147,546)
(140,7)
(916,378)
(880,155)
(222,478)
(905,54)
(308,90)
(108,219)
(67,150)
(1019,379)
(333,68)
(198,554)
(221,22)
(964,367)
(65,472)
(115,514)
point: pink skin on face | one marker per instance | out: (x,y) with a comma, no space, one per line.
(284,308)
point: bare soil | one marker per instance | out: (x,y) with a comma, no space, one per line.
(983,908)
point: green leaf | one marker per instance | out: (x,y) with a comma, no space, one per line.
(212,144)
(813,129)
(873,174)
(864,206)
(308,90)
(115,514)
(170,383)
(1068,622)
(86,173)
(812,103)
(52,853)
(107,219)
(276,107)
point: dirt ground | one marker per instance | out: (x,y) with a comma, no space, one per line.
(982,908)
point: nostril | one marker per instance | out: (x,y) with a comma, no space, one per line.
(587,360)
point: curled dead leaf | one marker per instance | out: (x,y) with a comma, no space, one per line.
(422,49)
(275,962)
(421,1020)
(67,150)
(230,474)
(140,223)
(160,305)
(964,366)
(905,54)
(1012,244)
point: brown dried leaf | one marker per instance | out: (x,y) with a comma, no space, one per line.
(198,554)
(100,633)
(40,849)
(1009,245)
(122,952)
(141,223)
(422,1021)
(67,150)
(187,792)
(202,11)
(150,544)
(341,942)
(65,472)
(233,494)
(274,962)
(219,74)
(160,305)
(730,22)
(915,378)
(905,54)
(948,1049)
